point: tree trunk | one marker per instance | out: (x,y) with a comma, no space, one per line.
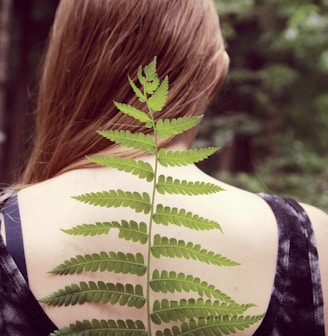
(5,15)
(20,101)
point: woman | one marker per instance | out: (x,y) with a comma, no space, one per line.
(94,45)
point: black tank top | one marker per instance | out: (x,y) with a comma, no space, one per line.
(296,304)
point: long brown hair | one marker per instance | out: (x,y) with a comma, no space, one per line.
(93,46)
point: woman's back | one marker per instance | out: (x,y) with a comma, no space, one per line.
(250,237)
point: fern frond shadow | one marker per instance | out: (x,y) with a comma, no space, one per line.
(165,311)
(212,326)
(103,328)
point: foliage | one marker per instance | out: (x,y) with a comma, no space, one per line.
(211,312)
(290,175)
(273,108)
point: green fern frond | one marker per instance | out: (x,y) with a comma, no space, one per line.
(157,101)
(126,263)
(212,326)
(127,230)
(138,141)
(169,127)
(174,248)
(140,168)
(184,158)
(103,328)
(165,282)
(97,292)
(132,112)
(166,311)
(117,198)
(205,310)
(179,217)
(137,91)
(170,186)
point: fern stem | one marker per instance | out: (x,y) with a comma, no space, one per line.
(153,195)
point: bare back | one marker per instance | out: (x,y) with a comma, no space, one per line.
(249,237)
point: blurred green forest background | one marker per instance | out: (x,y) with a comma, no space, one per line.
(270,117)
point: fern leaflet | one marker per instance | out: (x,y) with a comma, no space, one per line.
(152,83)
(139,168)
(165,310)
(91,229)
(111,262)
(138,141)
(99,292)
(180,217)
(133,231)
(142,79)
(132,112)
(137,91)
(174,248)
(175,186)
(169,127)
(150,71)
(117,198)
(129,230)
(157,101)
(184,158)
(165,282)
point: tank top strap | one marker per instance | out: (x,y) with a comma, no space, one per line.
(14,235)
(20,311)
(296,304)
